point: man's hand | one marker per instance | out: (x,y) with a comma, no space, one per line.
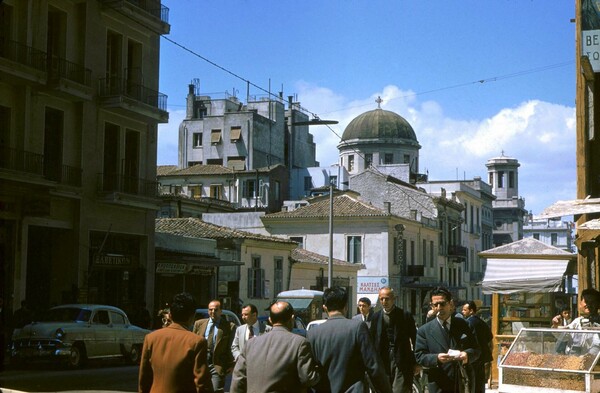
(445,358)
(556,321)
(417,369)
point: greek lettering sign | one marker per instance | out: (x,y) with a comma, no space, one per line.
(371,284)
(112,260)
(171,268)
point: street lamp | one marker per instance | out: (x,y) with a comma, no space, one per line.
(318,122)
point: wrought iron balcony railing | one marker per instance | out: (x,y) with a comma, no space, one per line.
(108,182)
(23,54)
(120,86)
(61,68)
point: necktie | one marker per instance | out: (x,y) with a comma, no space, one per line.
(250,332)
(211,335)
(445,326)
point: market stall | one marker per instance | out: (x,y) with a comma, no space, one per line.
(529,283)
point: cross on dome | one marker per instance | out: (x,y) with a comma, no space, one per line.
(378,101)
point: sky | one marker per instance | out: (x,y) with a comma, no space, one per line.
(475,78)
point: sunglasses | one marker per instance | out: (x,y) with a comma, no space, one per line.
(439,304)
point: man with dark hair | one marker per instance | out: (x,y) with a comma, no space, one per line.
(394,331)
(250,329)
(218,333)
(174,358)
(484,336)
(365,311)
(279,361)
(446,347)
(345,350)
(582,344)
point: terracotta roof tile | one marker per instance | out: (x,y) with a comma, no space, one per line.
(343,206)
(304,256)
(165,169)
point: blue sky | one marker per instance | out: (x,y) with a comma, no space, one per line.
(473,77)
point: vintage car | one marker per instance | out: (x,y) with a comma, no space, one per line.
(77,332)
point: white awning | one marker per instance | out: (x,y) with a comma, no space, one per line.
(569,208)
(523,275)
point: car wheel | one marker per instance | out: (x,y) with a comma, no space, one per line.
(77,356)
(135,354)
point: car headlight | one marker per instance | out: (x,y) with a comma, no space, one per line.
(59,334)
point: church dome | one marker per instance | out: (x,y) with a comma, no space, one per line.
(379,124)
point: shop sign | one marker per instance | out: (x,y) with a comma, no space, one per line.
(171,268)
(371,284)
(112,260)
(199,270)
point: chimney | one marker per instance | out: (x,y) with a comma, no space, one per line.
(387,206)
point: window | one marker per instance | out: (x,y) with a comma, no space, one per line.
(511,179)
(396,254)
(491,179)
(216,191)
(554,239)
(412,252)
(197,139)
(424,256)
(256,279)
(277,190)
(388,158)
(407,159)
(354,249)
(195,191)
(236,134)
(368,160)
(249,190)
(403,252)
(236,163)
(299,240)
(215,136)
(431,255)
(101,318)
(500,179)
(307,183)
(536,236)
(278,277)
(350,163)
(214,161)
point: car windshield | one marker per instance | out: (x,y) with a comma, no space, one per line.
(67,314)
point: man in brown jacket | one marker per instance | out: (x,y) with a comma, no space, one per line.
(218,333)
(174,358)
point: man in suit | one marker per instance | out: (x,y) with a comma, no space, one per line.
(251,328)
(279,361)
(446,371)
(484,336)
(345,350)
(173,358)
(219,335)
(394,331)
(365,311)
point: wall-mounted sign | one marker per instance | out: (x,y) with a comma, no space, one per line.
(590,32)
(116,260)
(371,284)
(171,268)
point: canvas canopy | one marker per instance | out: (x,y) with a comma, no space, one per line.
(523,275)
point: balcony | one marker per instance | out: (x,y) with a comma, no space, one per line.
(130,97)
(14,55)
(116,183)
(33,163)
(155,16)
(457,253)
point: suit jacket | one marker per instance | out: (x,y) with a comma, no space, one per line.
(369,317)
(174,360)
(432,340)
(484,336)
(222,359)
(345,350)
(280,361)
(239,338)
(405,332)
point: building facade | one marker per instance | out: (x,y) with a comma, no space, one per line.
(79,109)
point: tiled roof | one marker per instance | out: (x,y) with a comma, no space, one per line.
(196,228)
(304,256)
(527,246)
(343,206)
(165,169)
(200,169)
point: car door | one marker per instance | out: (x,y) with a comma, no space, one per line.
(104,342)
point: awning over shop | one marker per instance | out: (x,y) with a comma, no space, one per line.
(572,207)
(523,275)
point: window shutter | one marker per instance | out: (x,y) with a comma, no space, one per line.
(250,283)
(261,283)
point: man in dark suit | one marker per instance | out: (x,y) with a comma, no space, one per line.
(345,350)
(219,336)
(250,329)
(394,332)
(173,358)
(446,347)
(365,311)
(279,361)
(484,336)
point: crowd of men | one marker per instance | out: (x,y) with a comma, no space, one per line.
(378,351)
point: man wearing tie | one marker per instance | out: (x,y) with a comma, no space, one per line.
(365,311)
(219,335)
(251,328)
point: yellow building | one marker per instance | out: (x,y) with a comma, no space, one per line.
(79,109)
